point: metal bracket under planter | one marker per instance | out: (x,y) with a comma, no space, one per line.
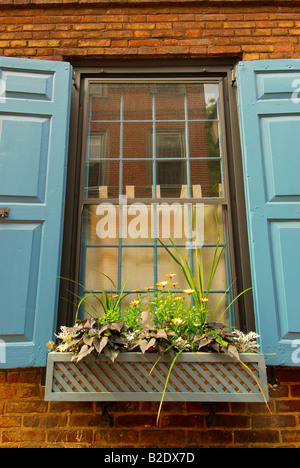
(194,377)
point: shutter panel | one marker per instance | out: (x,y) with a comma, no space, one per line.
(34,124)
(269,108)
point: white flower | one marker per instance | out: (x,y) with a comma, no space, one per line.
(247,342)
(180,343)
(67,336)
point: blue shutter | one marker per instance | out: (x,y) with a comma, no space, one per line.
(34,124)
(269,105)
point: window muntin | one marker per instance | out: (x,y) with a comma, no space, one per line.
(156,144)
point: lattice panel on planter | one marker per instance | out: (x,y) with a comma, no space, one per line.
(194,377)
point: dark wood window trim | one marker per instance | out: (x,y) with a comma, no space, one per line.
(244,315)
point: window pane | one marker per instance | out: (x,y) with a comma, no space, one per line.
(217,304)
(103,140)
(135,142)
(166,122)
(203,101)
(211,214)
(101,260)
(103,179)
(204,139)
(137,100)
(151,142)
(137,179)
(165,267)
(207,254)
(137,267)
(105,101)
(137,224)
(207,173)
(101,224)
(170,101)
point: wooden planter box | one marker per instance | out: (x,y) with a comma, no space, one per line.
(194,377)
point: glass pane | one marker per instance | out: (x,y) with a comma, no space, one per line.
(171,179)
(100,260)
(172,222)
(104,140)
(203,101)
(219,282)
(207,174)
(137,265)
(137,121)
(136,140)
(137,179)
(103,179)
(143,223)
(91,306)
(101,224)
(170,101)
(204,139)
(217,305)
(137,100)
(105,101)
(211,212)
(166,266)
(137,224)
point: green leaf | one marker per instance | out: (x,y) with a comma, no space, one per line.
(112,354)
(233,352)
(85,351)
(100,343)
(145,345)
(116,326)
(161,334)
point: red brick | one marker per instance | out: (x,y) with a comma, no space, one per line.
(295,391)
(136,420)
(183,421)
(273,420)
(288,406)
(256,437)
(10,421)
(45,421)
(70,436)
(288,374)
(211,436)
(163,438)
(23,436)
(291,436)
(116,438)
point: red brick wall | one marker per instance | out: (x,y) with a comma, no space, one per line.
(77,28)
(26,420)
(70,29)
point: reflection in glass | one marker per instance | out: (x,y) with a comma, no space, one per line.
(207,173)
(137,179)
(137,102)
(170,123)
(103,178)
(101,260)
(137,267)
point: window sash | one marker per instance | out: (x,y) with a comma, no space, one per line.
(190,194)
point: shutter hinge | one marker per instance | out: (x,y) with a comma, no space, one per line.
(75,77)
(233,77)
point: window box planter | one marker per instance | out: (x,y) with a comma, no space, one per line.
(194,377)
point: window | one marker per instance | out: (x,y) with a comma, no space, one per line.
(154,158)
